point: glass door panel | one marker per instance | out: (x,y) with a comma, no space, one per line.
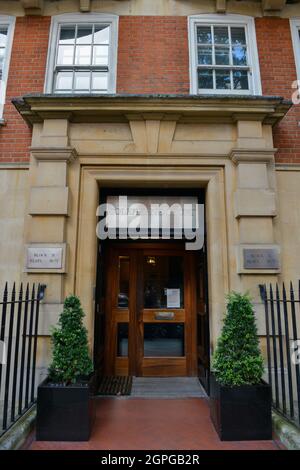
(163,340)
(118,312)
(122,340)
(123,292)
(163,314)
(163,282)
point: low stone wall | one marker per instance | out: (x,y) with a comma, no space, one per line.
(15,437)
(287,433)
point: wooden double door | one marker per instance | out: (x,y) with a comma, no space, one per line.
(150,310)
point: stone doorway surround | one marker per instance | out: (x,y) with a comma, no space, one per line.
(155,176)
(81,144)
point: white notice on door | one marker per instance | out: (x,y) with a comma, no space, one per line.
(173,298)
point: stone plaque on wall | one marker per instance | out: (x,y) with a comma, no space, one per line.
(261,258)
(45,258)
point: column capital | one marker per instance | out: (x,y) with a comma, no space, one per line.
(257,155)
(52,154)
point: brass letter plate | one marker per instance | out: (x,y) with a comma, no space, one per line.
(164,316)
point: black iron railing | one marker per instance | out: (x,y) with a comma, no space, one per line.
(19,320)
(282,319)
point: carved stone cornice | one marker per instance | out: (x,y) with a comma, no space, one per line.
(40,7)
(257,155)
(118,108)
(51,154)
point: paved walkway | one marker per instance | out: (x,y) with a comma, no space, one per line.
(153,424)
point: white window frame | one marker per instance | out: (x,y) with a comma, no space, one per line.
(295,28)
(8,21)
(253,62)
(85,18)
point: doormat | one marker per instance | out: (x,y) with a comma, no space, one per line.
(117,385)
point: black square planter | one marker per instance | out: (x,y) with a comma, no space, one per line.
(64,413)
(241,413)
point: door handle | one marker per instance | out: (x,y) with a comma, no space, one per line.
(164,315)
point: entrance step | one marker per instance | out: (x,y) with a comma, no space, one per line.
(167,387)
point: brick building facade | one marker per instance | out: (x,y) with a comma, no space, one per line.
(145,65)
(153,99)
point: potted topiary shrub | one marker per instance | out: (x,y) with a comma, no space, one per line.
(240,402)
(65,408)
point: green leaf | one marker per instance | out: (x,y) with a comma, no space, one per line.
(237,359)
(70,355)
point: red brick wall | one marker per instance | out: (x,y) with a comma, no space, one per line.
(153,55)
(26,75)
(152,58)
(277,68)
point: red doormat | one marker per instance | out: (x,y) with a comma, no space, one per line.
(116,385)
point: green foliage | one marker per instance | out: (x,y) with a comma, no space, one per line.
(237,359)
(71,360)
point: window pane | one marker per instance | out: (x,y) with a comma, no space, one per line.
(65,55)
(84,34)
(221,35)
(123,294)
(223,80)
(205,79)
(205,55)
(204,34)
(2,52)
(240,80)
(162,273)
(122,340)
(222,55)
(67,35)
(239,56)
(163,339)
(238,35)
(82,81)
(100,55)
(101,34)
(99,81)
(83,55)
(3,36)
(64,81)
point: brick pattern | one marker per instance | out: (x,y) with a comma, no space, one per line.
(26,75)
(278,71)
(153,55)
(152,58)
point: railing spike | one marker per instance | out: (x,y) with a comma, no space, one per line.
(277,291)
(283,291)
(292,292)
(5,293)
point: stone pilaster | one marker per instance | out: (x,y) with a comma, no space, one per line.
(48,210)
(255,201)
